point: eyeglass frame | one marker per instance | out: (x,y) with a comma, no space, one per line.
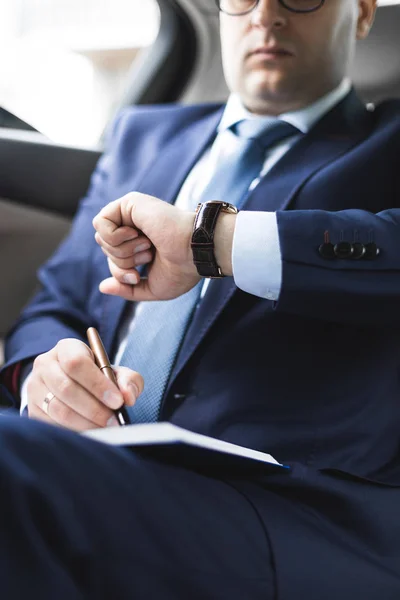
(281,2)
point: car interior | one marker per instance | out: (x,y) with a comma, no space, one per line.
(42,180)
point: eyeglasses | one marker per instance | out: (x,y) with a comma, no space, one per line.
(237,8)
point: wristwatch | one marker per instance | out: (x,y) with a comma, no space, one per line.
(202,243)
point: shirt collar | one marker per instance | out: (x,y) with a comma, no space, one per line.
(303,119)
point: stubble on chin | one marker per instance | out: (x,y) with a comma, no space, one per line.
(263,93)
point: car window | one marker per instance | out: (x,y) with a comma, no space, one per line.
(63,63)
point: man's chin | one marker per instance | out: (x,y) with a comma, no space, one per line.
(262,96)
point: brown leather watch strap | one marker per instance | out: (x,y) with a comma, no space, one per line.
(203,237)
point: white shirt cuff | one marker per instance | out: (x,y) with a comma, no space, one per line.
(256,254)
(24,378)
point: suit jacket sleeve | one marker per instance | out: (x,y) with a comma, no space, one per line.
(60,309)
(343,290)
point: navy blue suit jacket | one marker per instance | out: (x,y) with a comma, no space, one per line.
(313,378)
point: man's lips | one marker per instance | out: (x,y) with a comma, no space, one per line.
(270,52)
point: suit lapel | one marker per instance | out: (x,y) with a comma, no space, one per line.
(334,135)
(163,179)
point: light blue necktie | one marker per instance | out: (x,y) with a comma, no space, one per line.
(159,327)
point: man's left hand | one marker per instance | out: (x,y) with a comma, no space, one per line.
(162,234)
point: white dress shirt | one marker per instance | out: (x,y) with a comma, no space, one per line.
(256,254)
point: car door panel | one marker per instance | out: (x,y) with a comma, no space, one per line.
(28,236)
(39,173)
(41,184)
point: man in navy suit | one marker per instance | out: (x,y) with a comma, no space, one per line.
(295,351)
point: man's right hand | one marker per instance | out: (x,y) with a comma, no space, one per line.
(83,397)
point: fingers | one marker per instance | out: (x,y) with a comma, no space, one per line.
(58,413)
(118,221)
(84,398)
(75,403)
(130,253)
(133,293)
(124,250)
(130,383)
(80,367)
(36,410)
(114,224)
(129,276)
(109,219)
(110,224)
(122,213)
(166,230)
(143,258)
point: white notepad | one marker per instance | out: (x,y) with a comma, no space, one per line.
(165,441)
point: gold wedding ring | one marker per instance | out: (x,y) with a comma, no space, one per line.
(46,402)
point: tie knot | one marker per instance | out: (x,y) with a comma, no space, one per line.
(267,134)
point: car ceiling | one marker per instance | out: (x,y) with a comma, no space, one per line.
(375,73)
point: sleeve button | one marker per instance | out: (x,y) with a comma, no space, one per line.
(327,251)
(344,250)
(371,251)
(358,251)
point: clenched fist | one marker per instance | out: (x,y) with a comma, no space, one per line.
(139,229)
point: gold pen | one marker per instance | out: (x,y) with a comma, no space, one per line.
(103,362)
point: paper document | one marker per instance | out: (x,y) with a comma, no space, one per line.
(169,442)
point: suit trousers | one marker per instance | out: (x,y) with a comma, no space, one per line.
(82,520)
